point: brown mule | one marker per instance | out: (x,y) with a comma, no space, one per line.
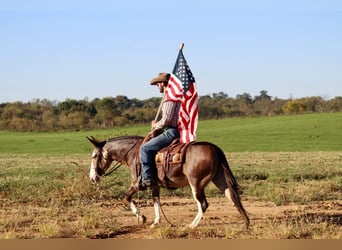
(203,162)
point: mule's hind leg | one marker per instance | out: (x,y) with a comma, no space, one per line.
(220,182)
(202,205)
(227,183)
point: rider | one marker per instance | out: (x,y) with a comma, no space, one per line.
(168,123)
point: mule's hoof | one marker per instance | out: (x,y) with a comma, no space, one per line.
(193,225)
(142,218)
(154,225)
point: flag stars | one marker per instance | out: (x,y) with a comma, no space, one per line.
(183,72)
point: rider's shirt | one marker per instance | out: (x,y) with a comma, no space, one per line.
(170,115)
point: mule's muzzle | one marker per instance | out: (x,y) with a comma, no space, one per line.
(93,176)
(95,180)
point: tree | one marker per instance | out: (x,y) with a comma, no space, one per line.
(245,98)
(45,115)
(294,107)
(334,105)
(263,96)
(220,95)
(262,104)
(245,102)
(314,104)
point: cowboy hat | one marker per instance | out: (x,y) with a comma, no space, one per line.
(162,77)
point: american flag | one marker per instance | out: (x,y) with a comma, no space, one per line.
(181,88)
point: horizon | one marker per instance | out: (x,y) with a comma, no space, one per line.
(55,101)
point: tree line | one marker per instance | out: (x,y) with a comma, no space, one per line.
(108,112)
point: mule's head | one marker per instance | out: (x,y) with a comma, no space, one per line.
(100,161)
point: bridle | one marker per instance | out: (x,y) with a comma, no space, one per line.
(113,167)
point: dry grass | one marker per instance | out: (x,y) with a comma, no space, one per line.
(49,196)
(292,228)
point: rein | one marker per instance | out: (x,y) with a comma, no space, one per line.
(113,168)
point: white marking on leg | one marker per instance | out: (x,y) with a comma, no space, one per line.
(156,206)
(199,214)
(94,178)
(134,209)
(228,195)
(136,212)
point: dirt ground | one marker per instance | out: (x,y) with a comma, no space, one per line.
(221,213)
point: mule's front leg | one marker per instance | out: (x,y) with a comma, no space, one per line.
(136,212)
(134,208)
(156,205)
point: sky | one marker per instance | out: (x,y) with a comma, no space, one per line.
(86,49)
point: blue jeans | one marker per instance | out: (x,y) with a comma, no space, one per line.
(149,150)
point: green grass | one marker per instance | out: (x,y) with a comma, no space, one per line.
(311,132)
(64,143)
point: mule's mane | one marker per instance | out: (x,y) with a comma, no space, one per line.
(129,137)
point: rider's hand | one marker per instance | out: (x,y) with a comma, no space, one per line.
(153,124)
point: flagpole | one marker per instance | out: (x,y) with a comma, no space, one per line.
(161,103)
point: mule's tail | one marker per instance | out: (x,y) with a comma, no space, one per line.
(233,188)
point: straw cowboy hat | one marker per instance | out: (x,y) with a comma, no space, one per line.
(162,77)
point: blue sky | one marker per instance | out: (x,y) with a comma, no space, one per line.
(92,49)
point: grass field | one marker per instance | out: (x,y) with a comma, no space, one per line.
(311,132)
(45,191)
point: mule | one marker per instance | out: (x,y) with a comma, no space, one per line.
(204,162)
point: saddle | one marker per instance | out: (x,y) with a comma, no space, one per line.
(172,154)
(169,161)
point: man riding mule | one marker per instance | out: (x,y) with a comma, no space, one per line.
(198,164)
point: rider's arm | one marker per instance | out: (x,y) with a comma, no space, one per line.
(170,115)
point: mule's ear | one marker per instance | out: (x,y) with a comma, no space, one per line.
(91,140)
(95,142)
